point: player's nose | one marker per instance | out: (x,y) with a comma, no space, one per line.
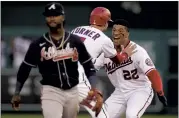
(116,33)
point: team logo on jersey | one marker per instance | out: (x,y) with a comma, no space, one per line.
(112,67)
(57,55)
(149,62)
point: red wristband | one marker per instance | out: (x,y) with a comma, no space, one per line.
(122,56)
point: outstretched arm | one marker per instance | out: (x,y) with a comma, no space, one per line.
(147,66)
(86,61)
(30,61)
(110,52)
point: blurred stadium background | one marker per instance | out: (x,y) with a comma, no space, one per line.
(154,25)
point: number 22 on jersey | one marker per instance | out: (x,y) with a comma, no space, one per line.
(128,75)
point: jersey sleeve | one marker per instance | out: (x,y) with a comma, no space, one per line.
(108,48)
(144,62)
(99,62)
(32,55)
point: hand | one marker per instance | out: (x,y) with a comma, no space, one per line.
(96,96)
(99,104)
(162,99)
(130,49)
(16,102)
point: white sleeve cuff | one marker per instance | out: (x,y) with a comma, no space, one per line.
(29,64)
(149,70)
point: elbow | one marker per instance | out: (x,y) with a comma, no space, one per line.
(89,69)
(23,71)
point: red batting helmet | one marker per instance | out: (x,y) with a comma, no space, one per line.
(100,16)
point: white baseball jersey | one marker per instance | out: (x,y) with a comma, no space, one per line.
(96,43)
(130,74)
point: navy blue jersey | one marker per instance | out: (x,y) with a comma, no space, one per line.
(57,60)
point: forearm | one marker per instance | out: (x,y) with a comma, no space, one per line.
(90,73)
(22,76)
(156,81)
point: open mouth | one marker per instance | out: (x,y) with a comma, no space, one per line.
(119,36)
(52,23)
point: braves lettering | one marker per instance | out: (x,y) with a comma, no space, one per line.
(57,55)
(112,67)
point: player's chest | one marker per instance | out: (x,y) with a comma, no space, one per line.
(112,67)
(54,52)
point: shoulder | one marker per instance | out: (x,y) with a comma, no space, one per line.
(141,52)
(75,38)
(107,39)
(102,34)
(140,49)
(36,42)
(77,28)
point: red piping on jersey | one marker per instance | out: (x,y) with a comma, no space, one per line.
(156,81)
(145,103)
(127,44)
(149,71)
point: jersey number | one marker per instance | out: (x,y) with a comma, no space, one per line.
(83,39)
(128,75)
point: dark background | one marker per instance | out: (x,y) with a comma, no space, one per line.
(157,15)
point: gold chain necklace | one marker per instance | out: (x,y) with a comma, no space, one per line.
(62,42)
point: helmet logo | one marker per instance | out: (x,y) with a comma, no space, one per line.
(52,7)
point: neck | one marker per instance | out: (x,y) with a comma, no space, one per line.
(125,43)
(97,27)
(118,48)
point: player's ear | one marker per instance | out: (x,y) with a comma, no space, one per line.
(126,35)
(63,18)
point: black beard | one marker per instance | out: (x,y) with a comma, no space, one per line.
(54,29)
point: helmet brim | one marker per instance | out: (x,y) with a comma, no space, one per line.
(111,21)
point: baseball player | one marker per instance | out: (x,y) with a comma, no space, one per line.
(56,54)
(97,43)
(133,79)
